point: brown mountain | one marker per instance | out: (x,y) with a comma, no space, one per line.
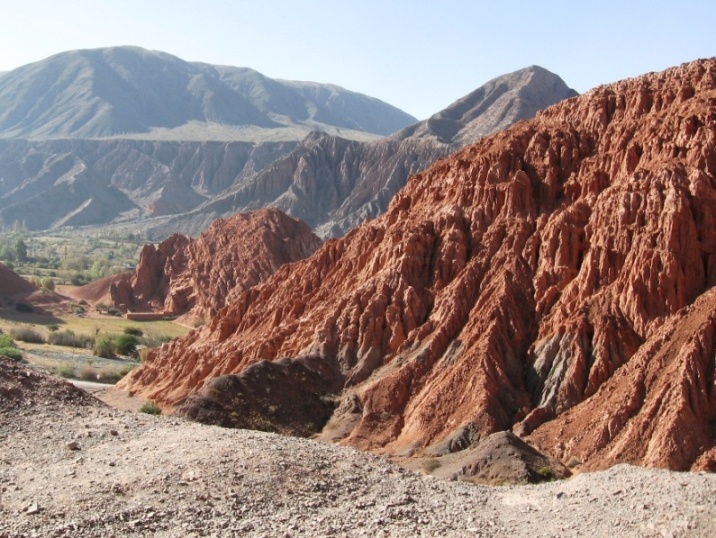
(556,273)
(196,277)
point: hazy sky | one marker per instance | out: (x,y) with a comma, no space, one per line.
(417,55)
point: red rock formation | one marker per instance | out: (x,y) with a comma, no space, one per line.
(657,410)
(509,283)
(183,276)
(12,284)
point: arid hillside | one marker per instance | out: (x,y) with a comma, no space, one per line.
(555,275)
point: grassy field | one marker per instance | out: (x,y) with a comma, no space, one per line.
(77,362)
(89,326)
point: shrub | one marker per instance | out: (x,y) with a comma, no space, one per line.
(547,473)
(126,344)
(113,312)
(54,327)
(69,339)
(66,371)
(12,353)
(6,341)
(114,375)
(87,373)
(430,465)
(26,334)
(104,346)
(78,279)
(134,331)
(155,341)
(48,284)
(151,408)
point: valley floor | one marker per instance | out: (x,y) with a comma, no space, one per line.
(139,475)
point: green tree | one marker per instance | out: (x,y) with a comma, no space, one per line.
(20,250)
(104,346)
(126,344)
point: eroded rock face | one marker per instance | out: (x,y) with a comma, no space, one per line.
(521,277)
(195,277)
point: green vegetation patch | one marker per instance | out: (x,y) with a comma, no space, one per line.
(151,408)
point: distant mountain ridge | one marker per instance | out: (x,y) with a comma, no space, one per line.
(167,186)
(335,184)
(133,92)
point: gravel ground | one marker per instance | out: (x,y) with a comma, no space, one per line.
(84,469)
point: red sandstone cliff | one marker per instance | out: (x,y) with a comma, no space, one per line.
(562,268)
(183,276)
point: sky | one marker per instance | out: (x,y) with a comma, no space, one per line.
(417,55)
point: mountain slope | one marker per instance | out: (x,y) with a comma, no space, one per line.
(329,182)
(124,91)
(131,180)
(506,285)
(334,184)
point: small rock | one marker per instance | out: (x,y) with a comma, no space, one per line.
(74,445)
(33,509)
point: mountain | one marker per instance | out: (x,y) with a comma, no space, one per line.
(198,277)
(131,92)
(334,184)
(57,183)
(556,279)
(170,186)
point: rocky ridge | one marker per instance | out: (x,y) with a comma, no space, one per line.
(516,280)
(196,278)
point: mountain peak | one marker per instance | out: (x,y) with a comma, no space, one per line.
(508,98)
(133,92)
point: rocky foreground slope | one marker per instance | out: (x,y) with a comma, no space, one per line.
(183,276)
(71,467)
(562,269)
